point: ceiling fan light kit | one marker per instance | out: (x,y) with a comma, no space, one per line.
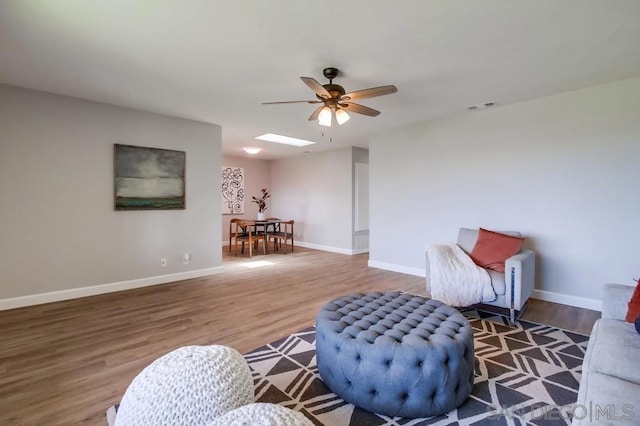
(335,101)
(342,116)
(324,117)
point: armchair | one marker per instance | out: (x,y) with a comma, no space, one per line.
(512,288)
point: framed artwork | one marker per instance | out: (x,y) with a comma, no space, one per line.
(232,190)
(148,178)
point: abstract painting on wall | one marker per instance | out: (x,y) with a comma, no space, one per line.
(232,190)
(148,178)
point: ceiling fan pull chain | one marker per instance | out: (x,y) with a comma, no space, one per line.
(330,135)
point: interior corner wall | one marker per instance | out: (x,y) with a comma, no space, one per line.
(256,177)
(564,170)
(59,232)
(316,191)
(360,200)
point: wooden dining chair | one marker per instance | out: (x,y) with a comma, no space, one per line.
(272,228)
(232,229)
(246,233)
(284,234)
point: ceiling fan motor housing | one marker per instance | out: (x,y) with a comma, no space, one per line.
(335,90)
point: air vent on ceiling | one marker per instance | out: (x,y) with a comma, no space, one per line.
(482,106)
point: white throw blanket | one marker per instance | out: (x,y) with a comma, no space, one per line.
(454,278)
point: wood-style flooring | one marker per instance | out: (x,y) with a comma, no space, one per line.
(67,362)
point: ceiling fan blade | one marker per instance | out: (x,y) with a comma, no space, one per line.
(369,93)
(290,102)
(316,113)
(316,87)
(360,109)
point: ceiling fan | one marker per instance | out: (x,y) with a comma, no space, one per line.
(335,101)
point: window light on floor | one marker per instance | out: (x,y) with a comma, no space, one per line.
(257,264)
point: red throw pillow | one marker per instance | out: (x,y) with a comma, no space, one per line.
(493,248)
(634,305)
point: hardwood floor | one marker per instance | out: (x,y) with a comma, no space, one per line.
(67,362)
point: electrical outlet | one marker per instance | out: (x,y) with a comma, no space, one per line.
(163,262)
(186,258)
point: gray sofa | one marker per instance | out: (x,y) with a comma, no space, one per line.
(610,386)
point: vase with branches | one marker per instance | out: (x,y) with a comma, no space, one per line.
(261,201)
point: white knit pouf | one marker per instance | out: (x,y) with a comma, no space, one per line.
(260,414)
(189,386)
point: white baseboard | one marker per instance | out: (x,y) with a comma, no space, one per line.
(321,247)
(328,248)
(566,299)
(397,268)
(359,251)
(75,293)
(549,296)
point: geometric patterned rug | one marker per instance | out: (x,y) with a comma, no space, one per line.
(524,375)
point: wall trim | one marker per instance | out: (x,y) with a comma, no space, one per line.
(549,296)
(75,293)
(567,299)
(321,247)
(397,268)
(324,248)
(359,251)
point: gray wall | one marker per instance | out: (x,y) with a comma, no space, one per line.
(316,191)
(59,231)
(563,169)
(256,174)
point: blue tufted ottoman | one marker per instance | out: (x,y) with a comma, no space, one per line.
(395,353)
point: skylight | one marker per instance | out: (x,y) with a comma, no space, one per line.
(270,137)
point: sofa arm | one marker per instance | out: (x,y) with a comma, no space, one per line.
(522,267)
(615,301)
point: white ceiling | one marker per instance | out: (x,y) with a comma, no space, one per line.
(216,61)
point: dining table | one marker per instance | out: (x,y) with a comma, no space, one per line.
(261,226)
